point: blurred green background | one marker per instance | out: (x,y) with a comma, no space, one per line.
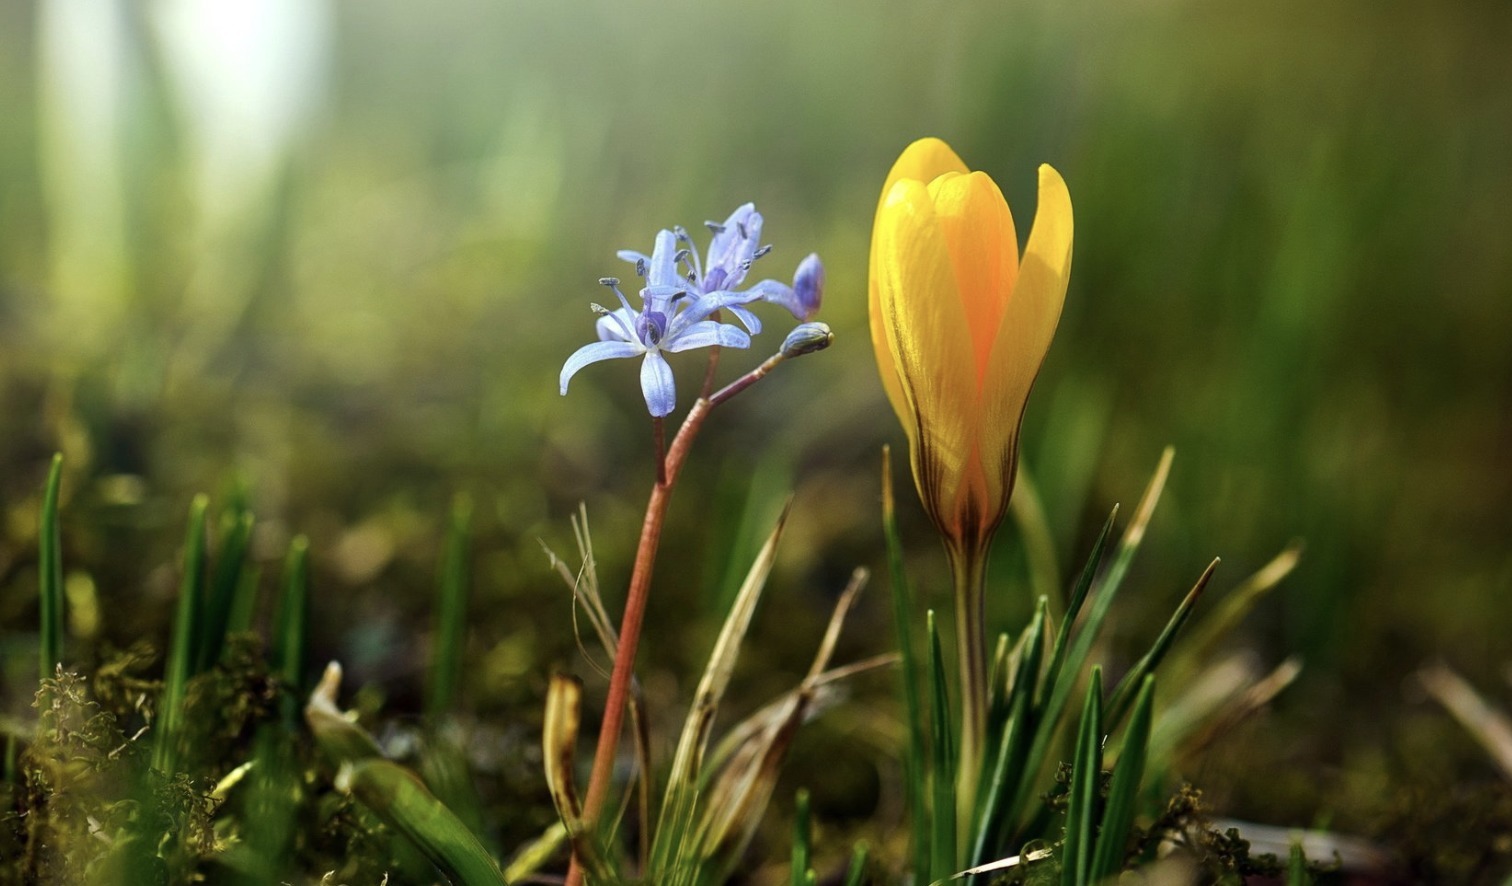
(338,253)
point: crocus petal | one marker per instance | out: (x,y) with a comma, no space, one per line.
(925,326)
(593,353)
(983,247)
(707,334)
(922,161)
(1028,324)
(657,385)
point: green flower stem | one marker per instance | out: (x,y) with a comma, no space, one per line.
(968,572)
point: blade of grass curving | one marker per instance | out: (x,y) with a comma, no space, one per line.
(397,796)
(536,854)
(1086,779)
(914,774)
(451,613)
(290,629)
(1123,793)
(856,874)
(676,817)
(1123,696)
(223,588)
(745,788)
(50,574)
(1078,597)
(942,839)
(1066,664)
(1207,635)
(400,799)
(802,835)
(181,649)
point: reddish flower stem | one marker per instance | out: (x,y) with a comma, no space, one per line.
(635,611)
(640,586)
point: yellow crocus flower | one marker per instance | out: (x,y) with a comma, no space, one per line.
(960,325)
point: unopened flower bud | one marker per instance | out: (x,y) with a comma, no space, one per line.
(806,338)
(808,284)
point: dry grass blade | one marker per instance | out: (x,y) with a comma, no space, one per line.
(745,787)
(559,745)
(1490,727)
(1254,698)
(687,764)
(1208,635)
(824,697)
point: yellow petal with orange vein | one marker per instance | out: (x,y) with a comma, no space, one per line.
(926,332)
(922,161)
(983,247)
(1027,327)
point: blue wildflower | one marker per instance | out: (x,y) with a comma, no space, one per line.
(673,318)
(734,249)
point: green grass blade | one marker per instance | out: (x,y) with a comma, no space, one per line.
(990,829)
(1296,868)
(244,603)
(181,650)
(403,803)
(943,770)
(1123,696)
(914,776)
(675,823)
(1066,665)
(1086,778)
(802,837)
(50,575)
(1078,597)
(855,875)
(451,612)
(223,588)
(289,631)
(1123,793)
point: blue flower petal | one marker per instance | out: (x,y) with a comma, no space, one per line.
(662,271)
(617,325)
(748,319)
(633,257)
(657,385)
(701,307)
(599,350)
(707,334)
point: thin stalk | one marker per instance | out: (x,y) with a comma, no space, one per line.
(968,571)
(451,613)
(50,569)
(639,591)
(630,625)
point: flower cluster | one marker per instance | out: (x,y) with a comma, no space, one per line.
(681,294)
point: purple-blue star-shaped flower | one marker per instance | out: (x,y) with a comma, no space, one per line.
(733,250)
(672,319)
(680,294)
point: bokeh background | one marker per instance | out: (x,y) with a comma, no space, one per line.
(335,254)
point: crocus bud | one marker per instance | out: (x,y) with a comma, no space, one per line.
(806,338)
(808,284)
